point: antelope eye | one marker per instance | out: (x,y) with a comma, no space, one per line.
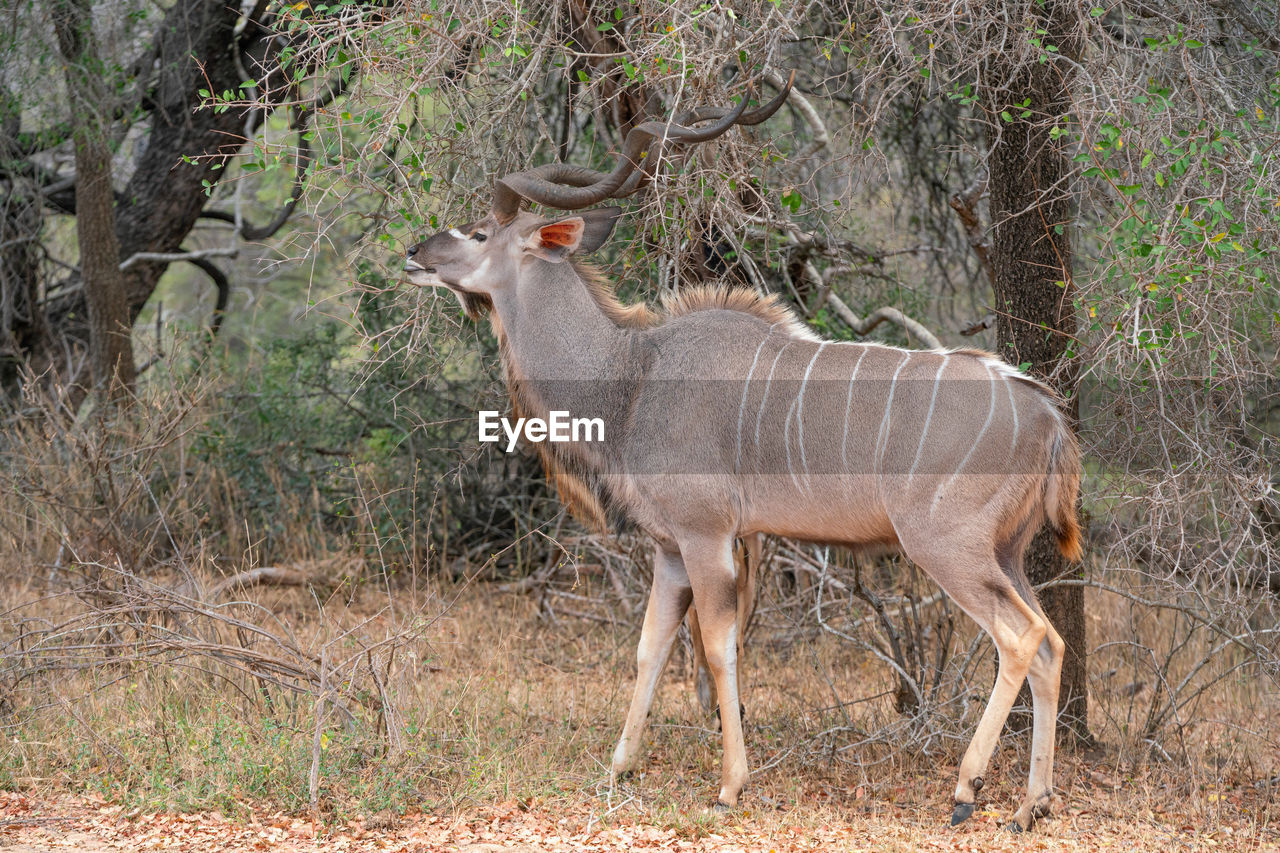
(479,237)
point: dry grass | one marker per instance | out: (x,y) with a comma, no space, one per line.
(510,708)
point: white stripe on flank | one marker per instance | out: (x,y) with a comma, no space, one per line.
(742,407)
(765,397)
(848,403)
(919,447)
(786,443)
(1013,407)
(456,234)
(991,410)
(882,436)
(804,464)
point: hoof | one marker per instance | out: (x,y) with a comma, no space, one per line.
(721,808)
(963,812)
(1034,814)
(623,775)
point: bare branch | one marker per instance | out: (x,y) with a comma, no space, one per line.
(169,257)
(223,286)
(882,315)
(263,575)
(965,204)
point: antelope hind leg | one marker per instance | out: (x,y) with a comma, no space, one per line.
(1018,632)
(978,584)
(668,600)
(1045,676)
(748,567)
(702,683)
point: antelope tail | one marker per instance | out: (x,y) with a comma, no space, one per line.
(1062,491)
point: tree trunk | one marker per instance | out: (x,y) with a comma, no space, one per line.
(194,47)
(110,321)
(1032,213)
(21,320)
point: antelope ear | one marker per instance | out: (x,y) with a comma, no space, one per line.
(599,225)
(556,241)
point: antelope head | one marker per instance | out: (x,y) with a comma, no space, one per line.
(477,260)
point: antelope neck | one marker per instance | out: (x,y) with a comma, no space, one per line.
(555,330)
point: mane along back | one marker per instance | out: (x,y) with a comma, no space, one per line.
(703,297)
(636,316)
(712,297)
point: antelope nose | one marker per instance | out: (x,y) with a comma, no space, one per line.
(412,249)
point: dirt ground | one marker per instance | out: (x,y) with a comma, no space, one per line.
(515,716)
(29,825)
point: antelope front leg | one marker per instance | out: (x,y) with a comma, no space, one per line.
(715,594)
(668,600)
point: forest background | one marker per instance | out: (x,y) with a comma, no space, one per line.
(251,550)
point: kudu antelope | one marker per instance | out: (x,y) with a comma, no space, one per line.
(725,416)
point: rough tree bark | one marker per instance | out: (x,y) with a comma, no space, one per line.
(110,321)
(195,45)
(1032,211)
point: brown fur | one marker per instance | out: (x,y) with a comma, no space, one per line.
(1064,470)
(636,316)
(1024,378)
(712,297)
(576,494)
(587,503)
(1061,494)
(584,501)
(703,297)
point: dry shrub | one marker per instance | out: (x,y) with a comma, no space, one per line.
(132,603)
